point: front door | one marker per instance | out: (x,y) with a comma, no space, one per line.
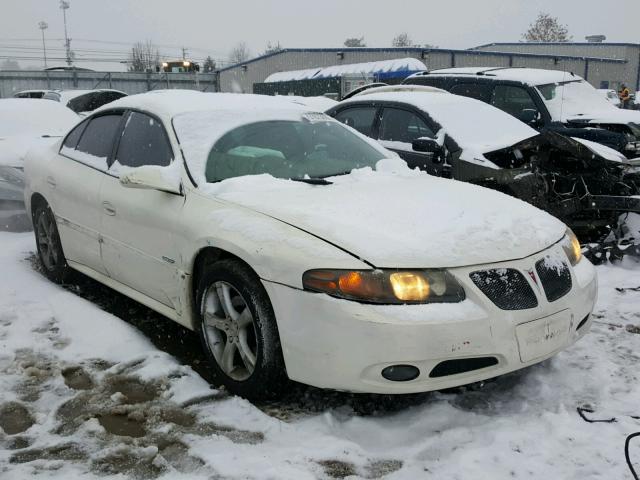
(398,129)
(138,225)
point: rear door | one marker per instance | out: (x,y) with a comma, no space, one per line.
(138,225)
(74,181)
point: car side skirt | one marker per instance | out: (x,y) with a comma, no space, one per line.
(133,294)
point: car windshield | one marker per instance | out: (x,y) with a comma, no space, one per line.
(571,99)
(292,146)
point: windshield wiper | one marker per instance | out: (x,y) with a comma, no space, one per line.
(312,181)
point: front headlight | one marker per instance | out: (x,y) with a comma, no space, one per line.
(386,286)
(571,247)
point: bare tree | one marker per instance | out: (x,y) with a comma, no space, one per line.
(209,65)
(240,53)
(355,42)
(144,57)
(402,40)
(547,29)
(272,48)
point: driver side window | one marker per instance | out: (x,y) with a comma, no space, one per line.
(402,126)
(513,100)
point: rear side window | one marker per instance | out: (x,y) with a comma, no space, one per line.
(96,142)
(473,90)
(72,139)
(143,142)
(402,126)
(360,118)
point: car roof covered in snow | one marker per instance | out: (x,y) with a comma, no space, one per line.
(169,103)
(529,76)
(473,124)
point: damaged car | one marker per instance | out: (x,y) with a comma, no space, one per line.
(547,100)
(299,249)
(585,184)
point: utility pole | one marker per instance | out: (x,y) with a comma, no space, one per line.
(43,26)
(184,53)
(64,6)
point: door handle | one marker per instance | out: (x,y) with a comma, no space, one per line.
(109,209)
(51,182)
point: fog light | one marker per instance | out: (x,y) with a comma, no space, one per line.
(400,373)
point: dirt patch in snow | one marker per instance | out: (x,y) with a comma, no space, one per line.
(15,418)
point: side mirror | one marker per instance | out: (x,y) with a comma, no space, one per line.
(426,145)
(529,116)
(152,177)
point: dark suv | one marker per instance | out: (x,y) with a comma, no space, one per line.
(546,100)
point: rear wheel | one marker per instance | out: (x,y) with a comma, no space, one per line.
(238,331)
(52,259)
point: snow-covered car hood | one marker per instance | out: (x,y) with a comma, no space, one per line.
(14,149)
(613,115)
(399,218)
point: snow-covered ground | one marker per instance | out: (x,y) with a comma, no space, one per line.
(84,394)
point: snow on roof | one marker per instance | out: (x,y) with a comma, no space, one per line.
(530,76)
(474,125)
(170,103)
(381,69)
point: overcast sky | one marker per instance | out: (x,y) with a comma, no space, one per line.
(213,27)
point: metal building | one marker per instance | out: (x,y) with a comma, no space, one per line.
(597,66)
(623,65)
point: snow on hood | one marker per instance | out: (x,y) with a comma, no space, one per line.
(580,101)
(14,150)
(605,152)
(395,217)
(23,122)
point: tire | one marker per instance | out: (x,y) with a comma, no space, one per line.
(50,253)
(238,330)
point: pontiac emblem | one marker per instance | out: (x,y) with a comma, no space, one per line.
(533,277)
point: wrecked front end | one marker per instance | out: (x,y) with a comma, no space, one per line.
(563,177)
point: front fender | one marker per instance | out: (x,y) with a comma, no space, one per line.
(276,251)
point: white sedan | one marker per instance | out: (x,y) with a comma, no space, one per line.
(299,249)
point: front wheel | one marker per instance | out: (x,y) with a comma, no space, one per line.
(238,330)
(50,253)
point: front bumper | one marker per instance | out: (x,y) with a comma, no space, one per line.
(345,345)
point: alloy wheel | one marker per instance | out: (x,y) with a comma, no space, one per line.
(229,330)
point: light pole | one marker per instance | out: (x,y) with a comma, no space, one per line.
(64,5)
(43,26)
